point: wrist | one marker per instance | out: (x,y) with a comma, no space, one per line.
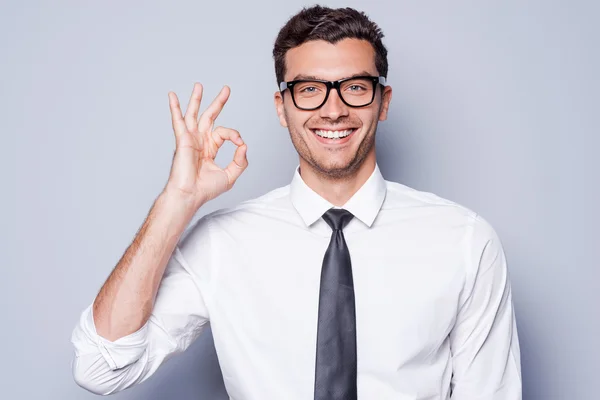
(177,208)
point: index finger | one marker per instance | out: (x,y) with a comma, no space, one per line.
(191,113)
(211,113)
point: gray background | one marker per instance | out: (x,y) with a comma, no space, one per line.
(495,106)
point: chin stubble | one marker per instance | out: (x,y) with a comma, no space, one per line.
(335,173)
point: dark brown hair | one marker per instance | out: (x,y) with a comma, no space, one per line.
(331,25)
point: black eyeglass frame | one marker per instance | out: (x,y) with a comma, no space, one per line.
(332,84)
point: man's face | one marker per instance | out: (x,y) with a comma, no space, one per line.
(333,158)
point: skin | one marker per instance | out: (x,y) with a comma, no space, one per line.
(334,171)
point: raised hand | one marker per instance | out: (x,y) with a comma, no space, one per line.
(194,175)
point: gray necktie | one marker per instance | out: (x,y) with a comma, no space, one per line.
(335,369)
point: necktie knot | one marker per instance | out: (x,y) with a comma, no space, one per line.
(337,218)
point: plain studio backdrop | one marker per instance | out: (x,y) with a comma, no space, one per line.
(495,106)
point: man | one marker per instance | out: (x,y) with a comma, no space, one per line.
(341,285)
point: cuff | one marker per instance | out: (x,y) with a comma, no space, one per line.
(123,351)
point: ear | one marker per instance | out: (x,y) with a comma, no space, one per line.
(386,98)
(278,97)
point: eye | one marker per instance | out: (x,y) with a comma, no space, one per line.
(308,89)
(356,88)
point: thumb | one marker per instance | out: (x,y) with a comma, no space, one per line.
(238,165)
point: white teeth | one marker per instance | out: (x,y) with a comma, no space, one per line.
(333,134)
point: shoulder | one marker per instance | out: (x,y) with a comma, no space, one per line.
(272,201)
(452,226)
(403,197)
(246,212)
(438,211)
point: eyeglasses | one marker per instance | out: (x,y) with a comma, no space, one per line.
(358,91)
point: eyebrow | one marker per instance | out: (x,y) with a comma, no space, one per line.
(312,77)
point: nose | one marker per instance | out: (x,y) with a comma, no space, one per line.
(334,107)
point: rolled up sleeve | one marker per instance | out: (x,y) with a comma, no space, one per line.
(179,316)
(484,340)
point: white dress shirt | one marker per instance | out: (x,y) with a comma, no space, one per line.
(434,312)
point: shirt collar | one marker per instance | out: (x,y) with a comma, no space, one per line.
(364,204)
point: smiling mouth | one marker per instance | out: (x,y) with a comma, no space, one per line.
(333,135)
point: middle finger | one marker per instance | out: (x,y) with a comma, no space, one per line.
(191,113)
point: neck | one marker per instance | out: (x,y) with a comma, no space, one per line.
(337,191)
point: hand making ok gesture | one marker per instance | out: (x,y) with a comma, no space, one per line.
(194,175)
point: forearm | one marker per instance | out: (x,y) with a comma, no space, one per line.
(126,299)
